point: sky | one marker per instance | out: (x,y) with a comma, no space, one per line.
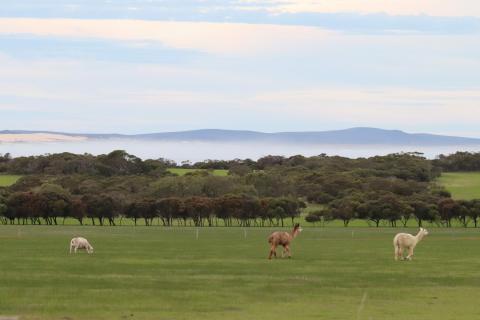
(137,66)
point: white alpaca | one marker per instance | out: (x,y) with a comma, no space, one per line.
(407,241)
(80,243)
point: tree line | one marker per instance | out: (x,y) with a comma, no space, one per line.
(119,162)
(389,189)
(459,161)
(392,211)
(51,205)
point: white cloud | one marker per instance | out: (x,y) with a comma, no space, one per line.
(216,38)
(394,7)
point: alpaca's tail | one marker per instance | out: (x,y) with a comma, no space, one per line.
(396,245)
(396,240)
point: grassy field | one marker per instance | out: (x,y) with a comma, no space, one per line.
(462,185)
(162,273)
(182,171)
(7,180)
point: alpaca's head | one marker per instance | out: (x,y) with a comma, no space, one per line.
(297,229)
(424,231)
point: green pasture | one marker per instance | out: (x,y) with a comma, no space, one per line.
(8,180)
(170,273)
(183,171)
(462,185)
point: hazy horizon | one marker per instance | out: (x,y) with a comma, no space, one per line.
(200,151)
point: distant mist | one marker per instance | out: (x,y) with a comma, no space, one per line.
(199,151)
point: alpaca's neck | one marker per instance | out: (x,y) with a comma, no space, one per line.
(293,234)
(419,236)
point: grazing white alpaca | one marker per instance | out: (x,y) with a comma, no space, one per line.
(407,241)
(80,243)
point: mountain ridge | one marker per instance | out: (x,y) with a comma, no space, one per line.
(354,136)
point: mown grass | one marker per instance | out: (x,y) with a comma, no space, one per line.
(183,171)
(167,273)
(462,185)
(7,180)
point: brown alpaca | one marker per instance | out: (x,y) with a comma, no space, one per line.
(282,238)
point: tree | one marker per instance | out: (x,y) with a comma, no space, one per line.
(78,209)
(199,209)
(271,184)
(448,209)
(460,161)
(100,207)
(386,207)
(240,170)
(474,210)
(56,202)
(424,209)
(3,210)
(463,212)
(344,209)
(395,208)
(269,161)
(468,210)
(170,208)
(23,205)
(142,208)
(372,210)
(282,208)
(322,216)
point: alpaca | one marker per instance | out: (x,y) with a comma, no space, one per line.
(282,238)
(80,243)
(407,241)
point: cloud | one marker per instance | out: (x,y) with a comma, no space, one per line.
(60,74)
(237,39)
(403,7)
(241,56)
(372,16)
(201,9)
(43,47)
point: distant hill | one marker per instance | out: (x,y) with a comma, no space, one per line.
(353,136)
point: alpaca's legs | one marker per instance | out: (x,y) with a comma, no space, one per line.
(284,251)
(272,252)
(410,253)
(287,249)
(398,253)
